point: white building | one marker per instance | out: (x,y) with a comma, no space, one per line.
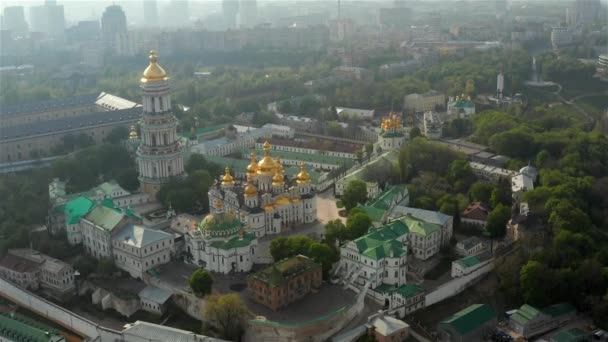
(521,183)
(459,107)
(407,298)
(432,127)
(280,131)
(267,202)
(466,265)
(445,222)
(137,249)
(429,101)
(355,112)
(321,149)
(424,237)
(154,299)
(235,140)
(392,134)
(221,244)
(489,172)
(469,246)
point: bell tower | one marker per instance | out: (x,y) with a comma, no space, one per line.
(159,155)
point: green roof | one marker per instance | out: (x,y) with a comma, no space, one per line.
(17,329)
(109,187)
(385,198)
(525,314)
(569,335)
(409,290)
(471,318)
(468,261)
(418,226)
(278,273)
(464,104)
(105,217)
(379,243)
(77,208)
(222,222)
(235,242)
(376,214)
(557,310)
(201,130)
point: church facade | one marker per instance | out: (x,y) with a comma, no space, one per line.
(267,202)
(392,134)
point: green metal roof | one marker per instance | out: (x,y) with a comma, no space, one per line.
(468,261)
(202,130)
(77,208)
(464,104)
(16,329)
(557,310)
(569,335)
(418,226)
(376,214)
(105,217)
(379,243)
(278,273)
(409,290)
(471,318)
(235,242)
(525,314)
(385,198)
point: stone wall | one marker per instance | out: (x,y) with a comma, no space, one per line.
(457,285)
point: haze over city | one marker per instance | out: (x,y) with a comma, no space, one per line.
(346,171)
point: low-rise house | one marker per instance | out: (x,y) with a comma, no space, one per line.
(469,246)
(407,298)
(285,282)
(425,237)
(145,332)
(56,277)
(387,329)
(475,215)
(469,324)
(529,321)
(22,272)
(154,299)
(446,222)
(466,265)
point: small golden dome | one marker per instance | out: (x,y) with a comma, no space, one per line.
(133,133)
(303,177)
(295,199)
(266,166)
(153,72)
(250,189)
(227,179)
(282,201)
(269,207)
(252,168)
(278,178)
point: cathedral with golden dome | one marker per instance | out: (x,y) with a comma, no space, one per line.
(267,202)
(392,134)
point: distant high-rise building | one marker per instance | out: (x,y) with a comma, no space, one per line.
(230,11)
(434,26)
(113,22)
(150,13)
(83,31)
(48,19)
(585,12)
(248,14)
(500,85)
(394,18)
(14,21)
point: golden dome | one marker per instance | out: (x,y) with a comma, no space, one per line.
(153,72)
(278,178)
(227,179)
(252,168)
(303,177)
(269,207)
(282,201)
(266,166)
(133,133)
(295,199)
(250,189)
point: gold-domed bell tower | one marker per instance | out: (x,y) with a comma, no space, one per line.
(303,179)
(227,179)
(266,169)
(250,193)
(159,155)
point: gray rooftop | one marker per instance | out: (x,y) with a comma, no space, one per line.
(421,214)
(67,124)
(139,236)
(159,333)
(46,105)
(154,294)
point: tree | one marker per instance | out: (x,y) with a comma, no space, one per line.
(369,149)
(357,225)
(497,220)
(481,192)
(279,248)
(128,179)
(469,88)
(200,282)
(448,205)
(322,254)
(415,133)
(228,313)
(335,230)
(460,175)
(117,135)
(355,193)
(537,283)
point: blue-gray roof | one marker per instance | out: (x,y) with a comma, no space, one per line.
(140,236)
(71,123)
(48,104)
(421,214)
(154,294)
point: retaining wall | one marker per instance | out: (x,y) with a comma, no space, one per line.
(457,285)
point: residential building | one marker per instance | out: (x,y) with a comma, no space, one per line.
(475,215)
(248,14)
(385,328)
(14,327)
(469,324)
(267,202)
(298,123)
(407,298)
(469,246)
(445,222)
(124,44)
(220,243)
(459,107)
(285,282)
(529,321)
(561,36)
(137,249)
(585,12)
(431,126)
(55,277)
(571,335)
(113,23)
(20,271)
(429,101)
(472,32)
(355,113)
(392,134)
(425,237)
(379,257)
(48,19)
(14,21)
(83,31)
(159,156)
(97,227)
(150,13)
(467,265)
(154,299)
